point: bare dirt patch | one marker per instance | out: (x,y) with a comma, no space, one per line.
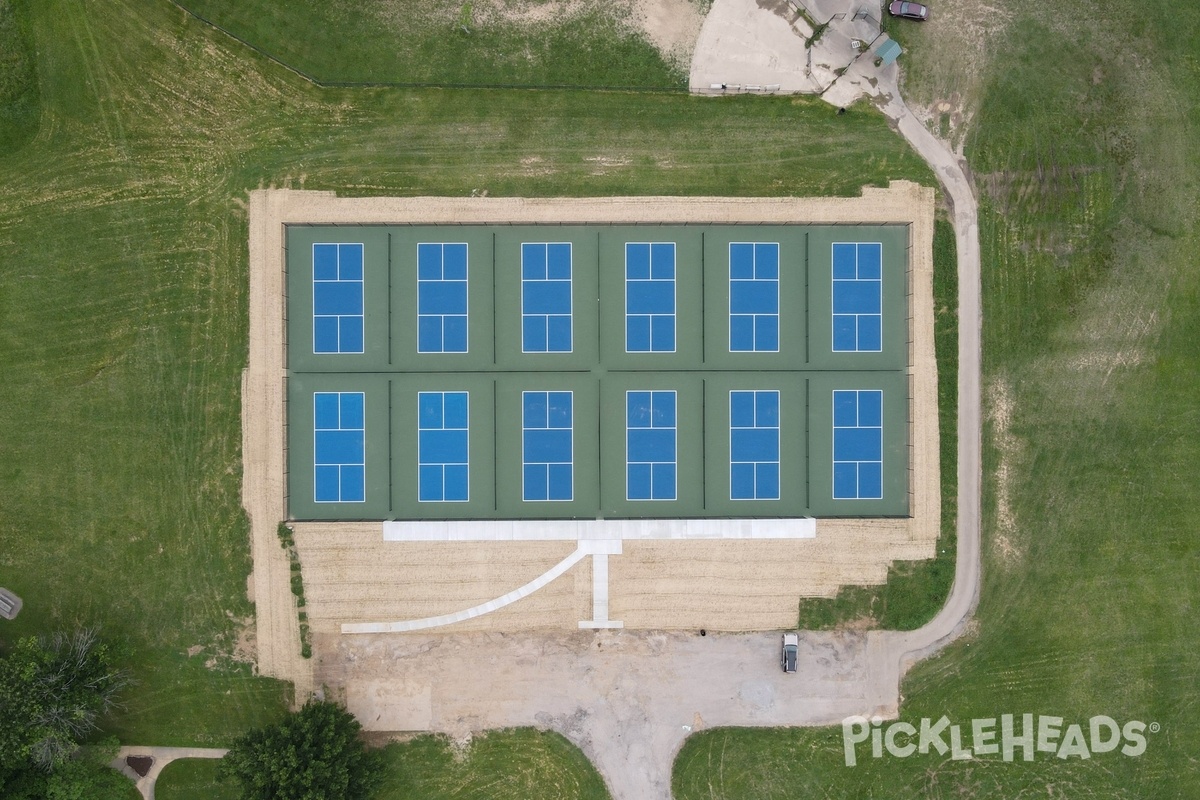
(671,26)
(1000,412)
(602,165)
(244,645)
(534,166)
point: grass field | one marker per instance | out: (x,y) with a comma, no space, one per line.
(523,763)
(123,294)
(194,779)
(18,89)
(533,43)
(1092,308)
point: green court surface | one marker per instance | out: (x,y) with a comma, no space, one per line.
(605,371)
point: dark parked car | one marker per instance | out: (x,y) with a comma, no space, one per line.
(902,8)
(791,645)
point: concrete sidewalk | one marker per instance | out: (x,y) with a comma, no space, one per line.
(161,757)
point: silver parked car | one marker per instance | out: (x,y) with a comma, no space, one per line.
(791,647)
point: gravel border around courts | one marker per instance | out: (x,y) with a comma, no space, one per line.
(351,574)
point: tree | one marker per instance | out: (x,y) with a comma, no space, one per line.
(86,776)
(52,691)
(313,754)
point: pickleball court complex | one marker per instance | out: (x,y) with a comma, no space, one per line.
(474,372)
(512,414)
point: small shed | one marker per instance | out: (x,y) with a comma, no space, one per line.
(887,52)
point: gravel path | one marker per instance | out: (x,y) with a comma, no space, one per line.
(964,596)
(772,60)
(161,757)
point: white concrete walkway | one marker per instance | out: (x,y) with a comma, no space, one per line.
(161,757)
(611,530)
(596,538)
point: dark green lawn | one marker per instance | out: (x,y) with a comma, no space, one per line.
(18,87)
(194,779)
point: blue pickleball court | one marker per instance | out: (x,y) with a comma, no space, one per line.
(858,444)
(857,297)
(546,321)
(547,446)
(443,447)
(754,445)
(650,445)
(337,298)
(754,297)
(442,297)
(339,447)
(650,297)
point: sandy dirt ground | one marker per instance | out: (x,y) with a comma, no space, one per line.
(671,26)
(263,391)
(352,575)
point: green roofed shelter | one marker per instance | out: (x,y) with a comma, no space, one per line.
(888,51)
